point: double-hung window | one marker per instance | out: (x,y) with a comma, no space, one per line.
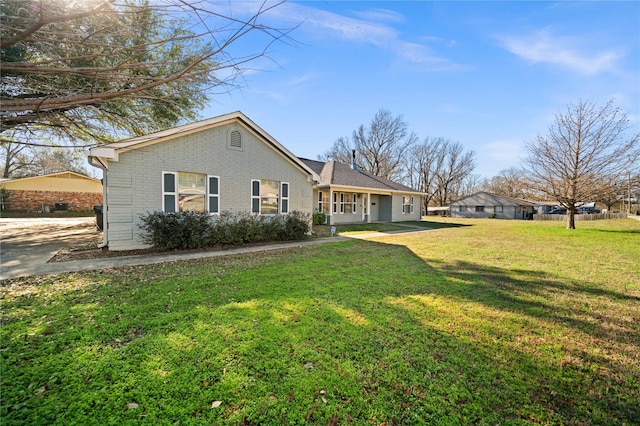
(323,202)
(269,197)
(407,205)
(188,191)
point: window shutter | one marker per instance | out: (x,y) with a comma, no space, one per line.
(169,192)
(214,194)
(404,201)
(255,196)
(284,197)
(411,205)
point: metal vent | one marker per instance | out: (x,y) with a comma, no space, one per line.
(235,139)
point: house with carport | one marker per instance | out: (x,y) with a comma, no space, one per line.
(229,163)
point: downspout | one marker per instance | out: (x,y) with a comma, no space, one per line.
(105,204)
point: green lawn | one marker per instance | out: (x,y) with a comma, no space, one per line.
(492,322)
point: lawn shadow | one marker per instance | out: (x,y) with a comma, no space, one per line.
(385,334)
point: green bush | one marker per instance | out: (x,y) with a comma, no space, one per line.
(181,231)
(319,218)
(193,230)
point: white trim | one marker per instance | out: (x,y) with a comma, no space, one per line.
(283,198)
(210,195)
(174,193)
(255,197)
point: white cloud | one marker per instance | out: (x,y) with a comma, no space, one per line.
(499,155)
(569,52)
(381,15)
(327,24)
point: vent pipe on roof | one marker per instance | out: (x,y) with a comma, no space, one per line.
(353,160)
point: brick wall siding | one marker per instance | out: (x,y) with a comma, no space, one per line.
(35,200)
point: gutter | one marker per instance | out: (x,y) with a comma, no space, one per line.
(95,162)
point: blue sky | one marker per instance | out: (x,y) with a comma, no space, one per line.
(490,75)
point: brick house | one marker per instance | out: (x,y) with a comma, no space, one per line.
(65,190)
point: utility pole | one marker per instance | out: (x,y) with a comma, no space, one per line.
(629,188)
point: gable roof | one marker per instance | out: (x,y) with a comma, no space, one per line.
(102,154)
(496,199)
(67,174)
(333,173)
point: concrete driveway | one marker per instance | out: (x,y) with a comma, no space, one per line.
(26,244)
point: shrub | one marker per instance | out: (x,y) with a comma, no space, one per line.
(319,218)
(295,226)
(169,231)
(194,230)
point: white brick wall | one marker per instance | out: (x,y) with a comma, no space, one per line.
(135,181)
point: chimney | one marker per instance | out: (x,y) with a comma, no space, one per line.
(353,160)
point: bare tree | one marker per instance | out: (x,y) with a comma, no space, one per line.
(441,169)
(585,144)
(454,165)
(422,167)
(340,151)
(510,182)
(381,147)
(471,184)
(98,70)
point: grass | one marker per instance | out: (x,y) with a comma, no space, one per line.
(495,322)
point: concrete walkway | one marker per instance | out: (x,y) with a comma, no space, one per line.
(33,259)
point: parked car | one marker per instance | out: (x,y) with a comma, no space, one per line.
(558,210)
(587,210)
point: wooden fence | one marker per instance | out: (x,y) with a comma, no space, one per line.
(596,216)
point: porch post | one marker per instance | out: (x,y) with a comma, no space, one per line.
(330,212)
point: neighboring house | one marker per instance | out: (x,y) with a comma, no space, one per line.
(226,163)
(348,195)
(485,204)
(62,191)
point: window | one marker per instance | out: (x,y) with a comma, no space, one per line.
(479,208)
(284,197)
(213,194)
(497,209)
(407,205)
(348,202)
(268,195)
(188,191)
(169,194)
(463,208)
(323,202)
(191,190)
(234,140)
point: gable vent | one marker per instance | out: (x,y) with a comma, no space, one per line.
(235,139)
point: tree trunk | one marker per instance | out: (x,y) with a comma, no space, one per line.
(571,219)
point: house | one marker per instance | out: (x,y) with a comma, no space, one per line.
(61,191)
(485,204)
(226,163)
(229,163)
(349,195)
